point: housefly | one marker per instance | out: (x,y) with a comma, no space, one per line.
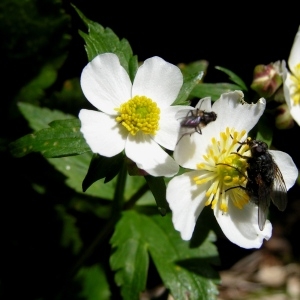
(265,181)
(195,119)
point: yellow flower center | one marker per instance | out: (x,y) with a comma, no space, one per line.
(139,113)
(226,170)
(295,88)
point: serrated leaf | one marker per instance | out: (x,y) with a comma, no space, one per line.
(94,283)
(70,236)
(136,234)
(102,40)
(236,79)
(63,138)
(39,117)
(213,90)
(189,83)
(102,167)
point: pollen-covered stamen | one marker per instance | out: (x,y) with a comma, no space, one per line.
(295,88)
(226,166)
(139,114)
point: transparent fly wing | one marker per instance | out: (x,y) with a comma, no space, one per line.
(279,192)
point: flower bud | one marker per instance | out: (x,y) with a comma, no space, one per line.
(266,79)
(284,119)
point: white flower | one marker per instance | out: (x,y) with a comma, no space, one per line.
(137,117)
(291,79)
(217,172)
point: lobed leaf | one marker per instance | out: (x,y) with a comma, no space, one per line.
(185,271)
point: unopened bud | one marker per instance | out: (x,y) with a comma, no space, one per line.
(284,119)
(266,79)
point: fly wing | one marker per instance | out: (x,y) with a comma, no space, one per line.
(183,113)
(263,202)
(279,192)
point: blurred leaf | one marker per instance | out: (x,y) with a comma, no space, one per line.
(265,130)
(30,28)
(39,118)
(194,67)
(102,167)
(213,90)
(189,83)
(236,79)
(70,236)
(94,283)
(158,188)
(102,40)
(136,234)
(34,91)
(63,138)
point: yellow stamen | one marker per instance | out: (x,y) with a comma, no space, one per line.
(226,166)
(295,88)
(139,114)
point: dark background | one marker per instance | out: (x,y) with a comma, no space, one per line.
(236,37)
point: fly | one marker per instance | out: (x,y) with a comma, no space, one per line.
(196,119)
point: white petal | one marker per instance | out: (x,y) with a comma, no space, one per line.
(287,88)
(287,167)
(186,200)
(167,136)
(149,156)
(240,226)
(158,80)
(204,104)
(294,58)
(233,112)
(105,83)
(102,133)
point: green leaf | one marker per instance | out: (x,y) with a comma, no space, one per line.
(213,90)
(194,67)
(158,188)
(236,79)
(137,234)
(70,236)
(265,130)
(189,83)
(39,118)
(102,40)
(63,138)
(94,283)
(102,167)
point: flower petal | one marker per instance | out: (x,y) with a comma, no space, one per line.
(158,80)
(287,167)
(294,58)
(186,201)
(167,136)
(102,133)
(233,112)
(105,83)
(149,156)
(240,226)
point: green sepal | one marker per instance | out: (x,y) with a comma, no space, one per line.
(102,167)
(157,186)
(189,83)
(214,90)
(236,79)
(63,138)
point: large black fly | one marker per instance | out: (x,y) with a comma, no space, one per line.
(265,181)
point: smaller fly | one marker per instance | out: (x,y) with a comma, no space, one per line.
(195,119)
(265,181)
